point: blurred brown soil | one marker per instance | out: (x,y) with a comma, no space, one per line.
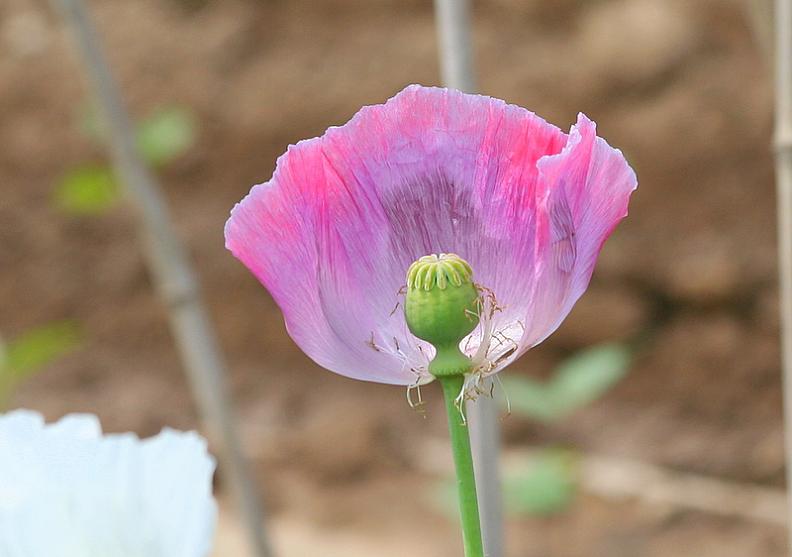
(679,86)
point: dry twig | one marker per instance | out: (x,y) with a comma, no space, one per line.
(173,275)
(783,145)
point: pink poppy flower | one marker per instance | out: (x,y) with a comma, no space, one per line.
(332,234)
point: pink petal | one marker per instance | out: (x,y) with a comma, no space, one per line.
(587,189)
(332,234)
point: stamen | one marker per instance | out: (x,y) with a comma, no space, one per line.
(505,396)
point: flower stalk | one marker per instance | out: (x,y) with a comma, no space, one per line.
(463,462)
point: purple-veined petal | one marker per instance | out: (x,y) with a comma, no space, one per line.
(583,193)
(332,234)
(588,187)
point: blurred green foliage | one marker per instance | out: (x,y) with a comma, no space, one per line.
(166,135)
(443,497)
(163,136)
(87,190)
(576,382)
(544,486)
(31,351)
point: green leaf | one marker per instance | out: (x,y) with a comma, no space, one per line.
(161,137)
(575,383)
(546,485)
(531,398)
(589,374)
(33,350)
(87,190)
(443,498)
(166,134)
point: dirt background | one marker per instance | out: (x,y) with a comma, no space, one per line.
(680,86)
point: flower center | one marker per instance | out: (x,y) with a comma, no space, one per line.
(442,307)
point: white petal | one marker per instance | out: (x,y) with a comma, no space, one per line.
(68,491)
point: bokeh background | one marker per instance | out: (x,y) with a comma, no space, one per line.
(687,285)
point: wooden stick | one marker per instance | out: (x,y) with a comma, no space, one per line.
(176,281)
(456,68)
(783,145)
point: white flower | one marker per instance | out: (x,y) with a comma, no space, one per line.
(66,490)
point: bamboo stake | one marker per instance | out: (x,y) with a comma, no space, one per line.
(783,145)
(456,53)
(175,279)
(456,68)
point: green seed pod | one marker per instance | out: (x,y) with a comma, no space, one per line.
(441,307)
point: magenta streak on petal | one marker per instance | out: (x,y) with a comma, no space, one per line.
(332,234)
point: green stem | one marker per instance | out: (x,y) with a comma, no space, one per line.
(463,461)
